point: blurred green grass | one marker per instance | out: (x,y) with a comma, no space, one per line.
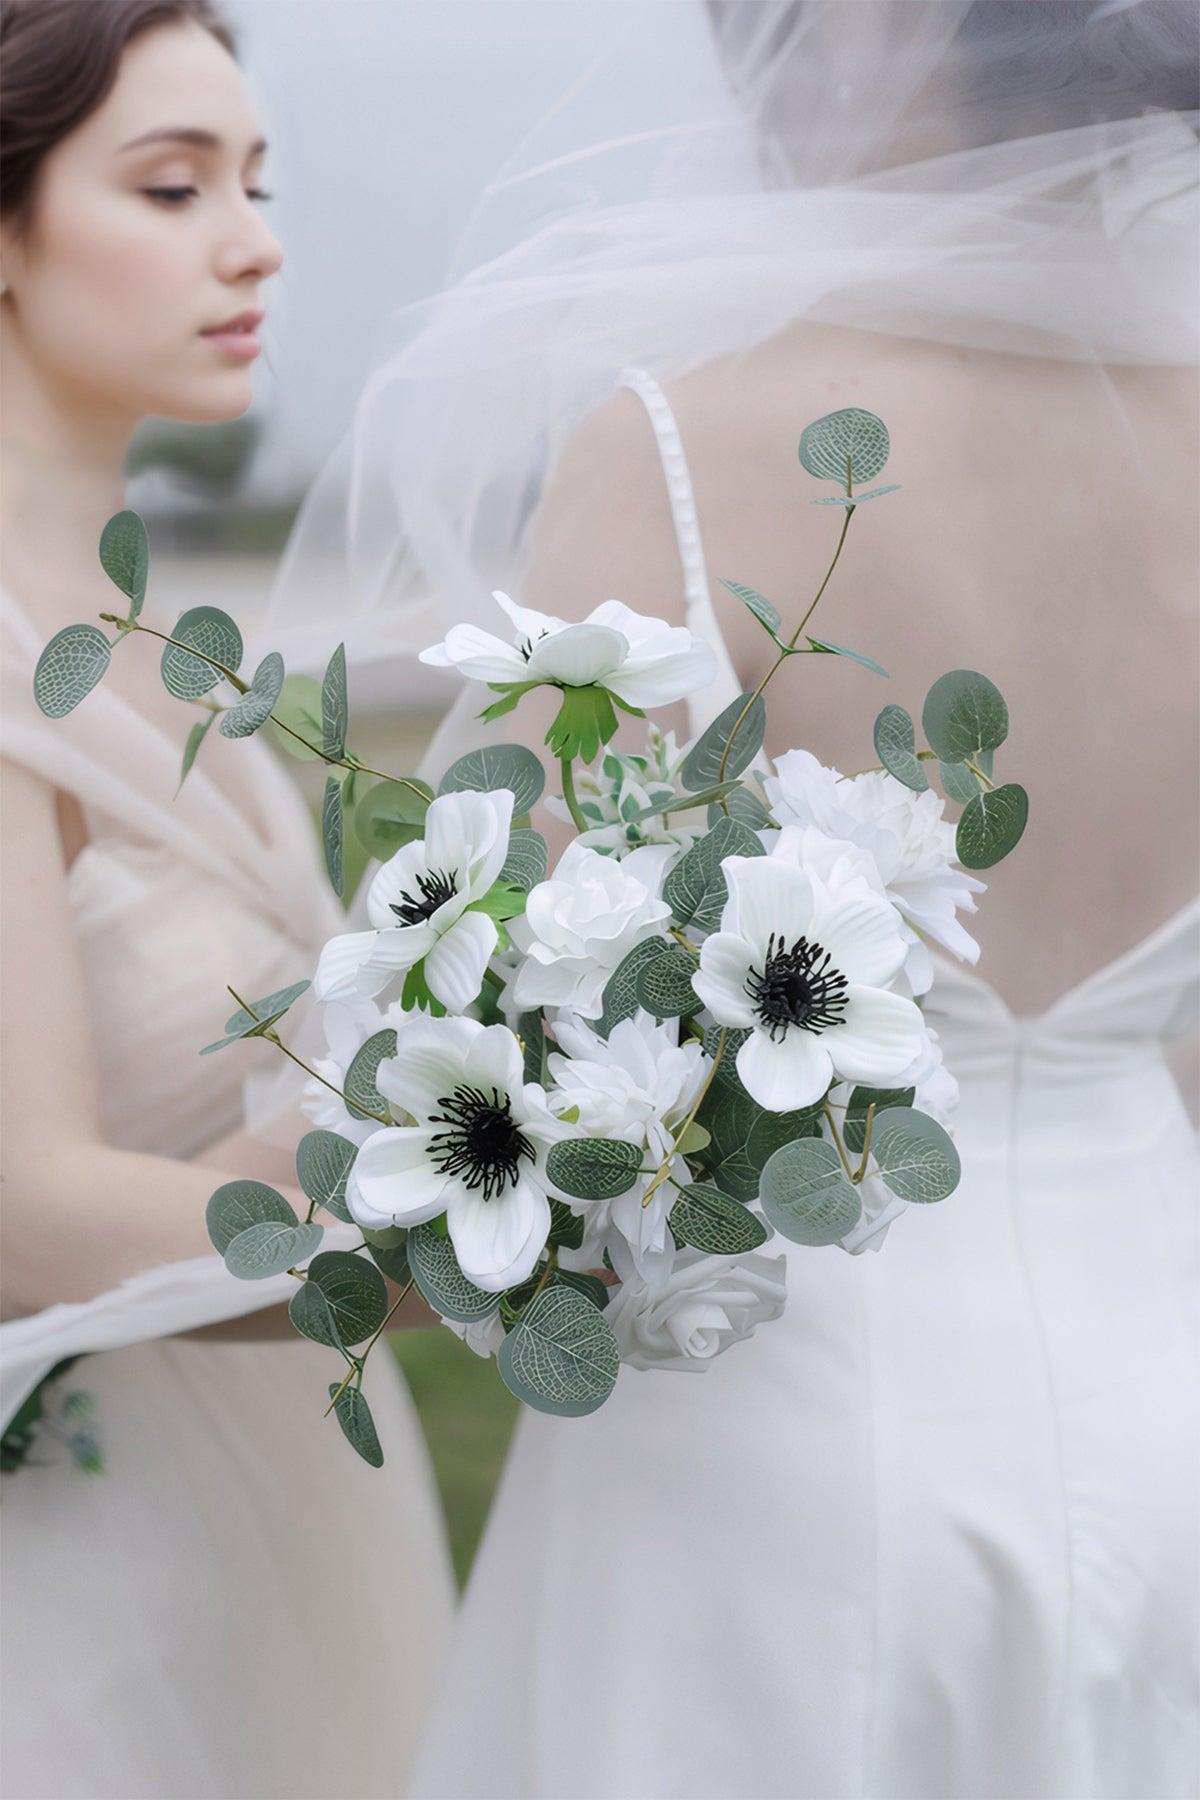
(467,1415)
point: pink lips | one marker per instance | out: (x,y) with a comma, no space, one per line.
(236,336)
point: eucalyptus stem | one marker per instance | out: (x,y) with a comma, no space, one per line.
(273,1037)
(977,771)
(568,781)
(551,1265)
(358,1363)
(663,1172)
(867,1124)
(837,1142)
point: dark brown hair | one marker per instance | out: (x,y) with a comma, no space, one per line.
(58,62)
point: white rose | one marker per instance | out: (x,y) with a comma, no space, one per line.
(583,921)
(705,1304)
(483,1336)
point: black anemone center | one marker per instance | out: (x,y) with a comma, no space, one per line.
(797,986)
(436,888)
(525,646)
(483,1143)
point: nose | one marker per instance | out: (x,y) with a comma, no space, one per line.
(248,250)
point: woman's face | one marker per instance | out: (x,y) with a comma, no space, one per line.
(146,235)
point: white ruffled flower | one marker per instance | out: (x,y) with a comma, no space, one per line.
(347,1025)
(578,925)
(422,903)
(704,1304)
(906,835)
(803,963)
(641,661)
(880,1208)
(476,1150)
(638,1086)
(483,1336)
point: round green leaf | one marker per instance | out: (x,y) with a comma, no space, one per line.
(390,815)
(991,826)
(392,1258)
(354,1417)
(664,986)
(440,1280)
(497,766)
(362,1095)
(621,992)
(527,860)
(323,1164)
(238,1205)
(963,714)
(806,1195)
(270,1249)
(207,629)
(69,667)
(702,767)
(562,1357)
(355,1290)
(298,705)
(696,889)
(916,1157)
(125,557)
(895,746)
(745,806)
(850,438)
(861,1100)
(594,1168)
(254,708)
(958,782)
(310,1313)
(709,1220)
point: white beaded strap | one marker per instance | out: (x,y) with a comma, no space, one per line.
(679,488)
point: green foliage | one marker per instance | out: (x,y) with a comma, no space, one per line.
(532,1034)
(363,1098)
(440,1280)
(211,632)
(566,1227)
(696,889)
(585,720)
(270,1249)
(991,826)
(254,708)
(958,781)
(355,1291)
(238,1205)
(862,1098)
(742,1135)
(74,660)
(590,1286)
(527,860)
(335,707)
(868,662)
(562,1357)
(310,1313)
(388,1250)
(258,1017)
(763,609)
(806,1195)
(594,1168)
(621,991)
(323,1164)
(354,1417)
(195,738)
(497,766)
(744,804)
(710,1221)
(707,763)
(849,443)
(916,1157)
(332,827)
(964,713)
(390,815)
(298,706)
(895,746)
(125,557)
(664,983)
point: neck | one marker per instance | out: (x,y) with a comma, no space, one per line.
(61,476)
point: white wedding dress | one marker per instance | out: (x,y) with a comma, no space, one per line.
(931,1536)
(237,1607)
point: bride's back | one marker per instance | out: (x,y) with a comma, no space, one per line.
(1045,533)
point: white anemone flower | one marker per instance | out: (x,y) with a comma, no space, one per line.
(905,833)
(639,1085)
(803,964)
(641,661)
(476,1149)
(578,925)
(422,903)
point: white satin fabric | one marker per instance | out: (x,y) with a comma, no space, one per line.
(187,1623)
(931,1536)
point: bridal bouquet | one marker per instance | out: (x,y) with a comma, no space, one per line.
(572,1106)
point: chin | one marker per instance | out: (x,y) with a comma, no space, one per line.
(207,403)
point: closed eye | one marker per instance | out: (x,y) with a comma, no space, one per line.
(175,196)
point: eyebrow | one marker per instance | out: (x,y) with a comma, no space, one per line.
(188,134)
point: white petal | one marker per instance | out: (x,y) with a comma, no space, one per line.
(768,898)
(862,935)
(668,678)
(495,1061)
(545,984)
(497,1241)
(454,967)
(393,881)
(794,1071)
(343,972)
(878,1036)
(393,1181)
(720,981)
(431,1055)
(578,655)
(528,623)
(481,656)
(398,950)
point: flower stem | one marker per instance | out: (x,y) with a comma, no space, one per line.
(867,1124)
(838,1144)
(568,784)
(663,1172)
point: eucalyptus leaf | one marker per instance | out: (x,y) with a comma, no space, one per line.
(498,766)
(868,662)
(566,1227)
(806,1195)
(74,660)
(851,500)
(696,889)
(527,860)
(310,1313)
(849,441)
(270,1249)
(991,826)
(237,1205)
(963,714)
(590,1286)
(707,763)
(709,1220)
(664,986)
(440,1280)
(125,557)
(391,1258)
(354,1417)
(594,1168)
(332,826)
(257,1018)
(363,1098)
(862,1098)
(895,746)
(763,609)
(562,1357)
(621,991)
(211,632)
(532,1034)
(195,738)
(390,815)
(335,708)
(323,1164)
(255,706)
(745,805)
(298,707)
(958,782)
(356,1292)
(915,1155)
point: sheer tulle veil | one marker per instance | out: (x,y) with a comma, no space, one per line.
(1007,174)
